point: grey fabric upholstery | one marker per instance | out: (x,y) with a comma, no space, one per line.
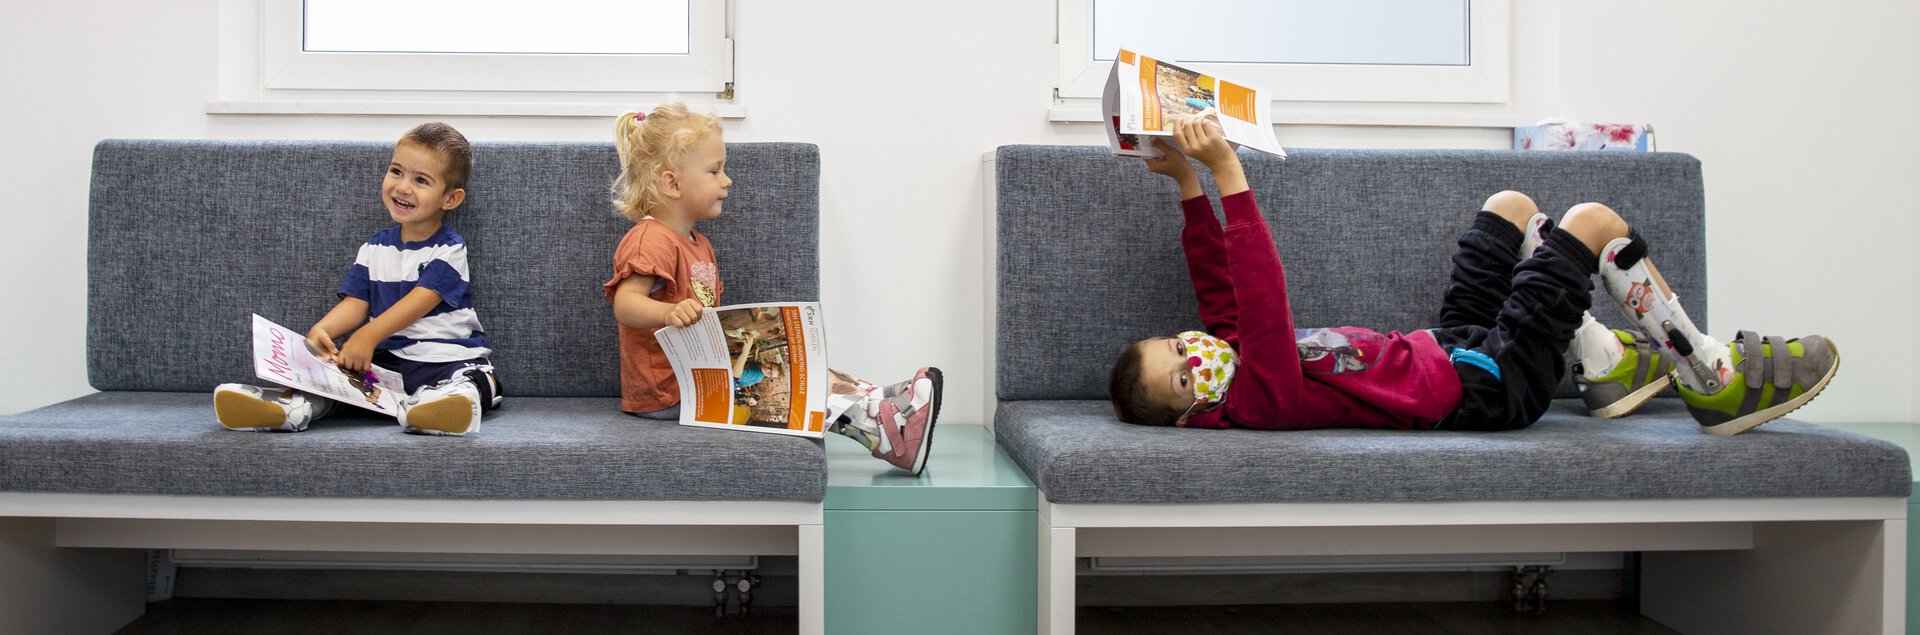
(1089,261)
(137,442)
(187,238)
(1365,236)
(1076,452)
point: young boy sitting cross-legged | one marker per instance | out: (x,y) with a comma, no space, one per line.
(407,304)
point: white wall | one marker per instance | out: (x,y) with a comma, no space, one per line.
(1787,110)
(1804,122)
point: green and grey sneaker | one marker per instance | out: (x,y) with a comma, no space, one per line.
(1771,377)
(1641,373)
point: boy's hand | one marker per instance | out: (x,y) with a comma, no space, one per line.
(1201,139)
(1174,164)
(321,344)
(357,355)
(687,312)
(1170,162)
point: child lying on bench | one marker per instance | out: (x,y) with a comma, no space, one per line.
(1517,299)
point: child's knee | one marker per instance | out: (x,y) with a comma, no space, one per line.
(1517,208)
(1594,224)
(1593,214)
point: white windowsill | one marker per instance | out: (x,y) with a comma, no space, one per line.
(1063,113)
(434,108)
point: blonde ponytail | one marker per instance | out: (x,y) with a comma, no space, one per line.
(650,144)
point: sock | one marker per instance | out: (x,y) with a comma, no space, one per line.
(1595,348)
(317,407)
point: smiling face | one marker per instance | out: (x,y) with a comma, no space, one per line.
(1166,377)
(416,191)
(698,184)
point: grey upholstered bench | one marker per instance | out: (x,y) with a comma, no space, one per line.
(187,238)
(1790,528)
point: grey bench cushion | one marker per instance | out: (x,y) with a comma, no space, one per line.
(1077,452)
(1089,260)
(534,448)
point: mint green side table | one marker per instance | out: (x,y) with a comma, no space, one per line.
(1906,436)
(949,551)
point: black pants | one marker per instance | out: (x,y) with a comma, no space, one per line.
(1521,313)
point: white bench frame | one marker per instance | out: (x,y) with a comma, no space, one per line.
(76,563)
(1815,565)
(1799,565)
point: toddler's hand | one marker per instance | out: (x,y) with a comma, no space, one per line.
(357,355)
(1170,162)
(687,312)
(321,344)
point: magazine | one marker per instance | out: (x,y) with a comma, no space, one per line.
(281,356)
(758,367)
(1144,94)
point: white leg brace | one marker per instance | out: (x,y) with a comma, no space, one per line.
(1704,364)
(851,410)
(1534,234)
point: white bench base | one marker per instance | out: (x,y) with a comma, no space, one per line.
(1711,566)
(75,561)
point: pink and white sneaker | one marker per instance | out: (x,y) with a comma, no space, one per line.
(907,412)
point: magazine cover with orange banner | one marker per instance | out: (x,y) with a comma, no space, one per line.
(1144,94)
(757,367)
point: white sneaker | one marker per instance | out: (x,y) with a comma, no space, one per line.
(449,409)
(244,407)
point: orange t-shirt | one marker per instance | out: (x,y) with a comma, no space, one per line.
(681,268)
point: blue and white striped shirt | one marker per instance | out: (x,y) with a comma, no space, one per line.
(389,268)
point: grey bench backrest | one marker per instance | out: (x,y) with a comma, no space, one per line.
(187,238)
(1089,249)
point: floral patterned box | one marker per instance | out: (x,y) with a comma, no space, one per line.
(1608,137)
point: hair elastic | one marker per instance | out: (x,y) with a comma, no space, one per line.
(639,117)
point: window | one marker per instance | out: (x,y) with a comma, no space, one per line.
(1436,51)
(578,27)
(627,46)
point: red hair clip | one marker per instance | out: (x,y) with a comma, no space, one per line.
(639,116)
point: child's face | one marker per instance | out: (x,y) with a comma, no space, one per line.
(702,179)
(415,190)
(1165,375)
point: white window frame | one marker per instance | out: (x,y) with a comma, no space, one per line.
(285,65)
(1486,79)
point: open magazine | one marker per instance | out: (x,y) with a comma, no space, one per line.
(281,356)
(1144,94)
(758,367)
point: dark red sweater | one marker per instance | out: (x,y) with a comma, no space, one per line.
(1308,378)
